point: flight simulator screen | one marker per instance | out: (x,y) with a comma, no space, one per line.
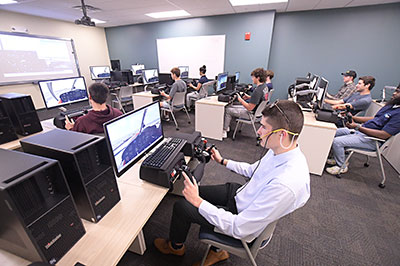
(100,72)
(150,76)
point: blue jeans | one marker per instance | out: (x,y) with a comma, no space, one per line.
(345,139)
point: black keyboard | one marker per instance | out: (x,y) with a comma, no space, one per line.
(168,149)
(76,111)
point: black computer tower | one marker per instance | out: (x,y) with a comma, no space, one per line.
(22,113)
(87,168)
(39,220)
(231,83)
(7,131)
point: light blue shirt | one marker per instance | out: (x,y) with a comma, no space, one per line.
(280,185)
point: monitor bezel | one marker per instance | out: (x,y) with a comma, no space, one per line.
(90,69)
(216,87)
(138,158)
(59,105)
(149,83)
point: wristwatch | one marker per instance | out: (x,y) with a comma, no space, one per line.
(357,127)
(222,161)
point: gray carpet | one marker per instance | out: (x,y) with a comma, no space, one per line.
(348,221)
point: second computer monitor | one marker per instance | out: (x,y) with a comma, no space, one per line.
(321,90)
(237,75)
(99,72)
(150,76)
(132,135)
(221,81)
(184,71)
(137,69)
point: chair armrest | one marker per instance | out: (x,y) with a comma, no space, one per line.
(376,139)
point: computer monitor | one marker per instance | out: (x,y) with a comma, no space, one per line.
(58,92)
(150,76)
(221,81)
(165,78)
(130,136)
(137,69)
(184,72)
(321,90)
(99,72)
(314,82)
(116,65)
(237,75)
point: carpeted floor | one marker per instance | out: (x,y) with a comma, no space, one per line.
(348,221)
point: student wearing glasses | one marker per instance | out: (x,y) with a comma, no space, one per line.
(383,125)
(277,184)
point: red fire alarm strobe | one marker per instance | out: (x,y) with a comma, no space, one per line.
(247,36)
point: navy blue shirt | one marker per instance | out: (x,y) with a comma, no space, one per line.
(386,119)
(203,79)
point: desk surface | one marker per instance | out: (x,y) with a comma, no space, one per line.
(310,120)
(145,94)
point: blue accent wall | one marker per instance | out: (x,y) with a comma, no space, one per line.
(137,43)
(328,42)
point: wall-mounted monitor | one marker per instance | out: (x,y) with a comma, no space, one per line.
(132,135)
(221,81)
(150,76)
(137,69)
(58,92)
(99,72)
(184,72)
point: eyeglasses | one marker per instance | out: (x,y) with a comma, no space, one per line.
(275,104)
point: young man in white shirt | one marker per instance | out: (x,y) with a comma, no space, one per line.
(278,184)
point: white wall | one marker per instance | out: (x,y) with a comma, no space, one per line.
(90,45)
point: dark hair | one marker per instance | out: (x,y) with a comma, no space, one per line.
(269,73)
(368,80)
(285,114)
(176,71)
(203,69)
(260,74)
(98,92)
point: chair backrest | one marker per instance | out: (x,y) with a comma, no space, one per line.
(260,108)
(270,95)
(208,87)
(179,99)
(125,91)
(267,233)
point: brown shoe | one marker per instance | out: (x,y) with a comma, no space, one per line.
(165,247)
(214,257)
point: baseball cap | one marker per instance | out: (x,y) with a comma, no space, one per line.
(350,73)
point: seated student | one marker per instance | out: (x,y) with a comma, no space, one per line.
(383,125)
(193,96)
(347,89)
(178,86)
(358,101)
(93,121)
(278,184)
(268,81)
(258,76)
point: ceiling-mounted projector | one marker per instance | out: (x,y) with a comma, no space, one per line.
(85,20)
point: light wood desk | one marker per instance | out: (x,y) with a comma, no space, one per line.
(143,98)
(209,118)
(315,142)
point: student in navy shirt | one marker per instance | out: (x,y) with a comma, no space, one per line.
(385,124)
(358,101)
(195,95)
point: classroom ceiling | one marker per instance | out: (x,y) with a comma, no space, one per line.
(125,12)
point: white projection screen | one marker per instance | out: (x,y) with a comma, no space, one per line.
(26,58)
(194,52)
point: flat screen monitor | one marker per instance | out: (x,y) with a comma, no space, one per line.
(137,69)
(165,78)
(221,81)
(237,75)
(58,92)
(150,76)
(116,65)
(132,135)
(100,72)
(184,72)
(314,82)
(321,90)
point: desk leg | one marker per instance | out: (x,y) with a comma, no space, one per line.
(139,245)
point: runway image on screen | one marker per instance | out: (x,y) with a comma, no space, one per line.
(100,72)
(150,76)
(59,92)
(137,69)
(134,134)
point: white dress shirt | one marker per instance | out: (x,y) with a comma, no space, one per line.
(280,185)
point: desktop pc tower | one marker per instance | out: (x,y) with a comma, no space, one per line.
(231,83)
(22,113)
(7,131)
(87,166)
(39,220)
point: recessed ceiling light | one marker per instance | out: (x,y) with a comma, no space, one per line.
(6,2)
(98,21)
(169,14)
(254,2)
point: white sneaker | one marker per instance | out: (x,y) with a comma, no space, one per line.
(331,162)
(335,170)
(224,134)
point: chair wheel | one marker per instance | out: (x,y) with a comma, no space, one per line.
(189,122)
(177,128)
(338,176)
(382,185)
(366,164)
(240,130)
